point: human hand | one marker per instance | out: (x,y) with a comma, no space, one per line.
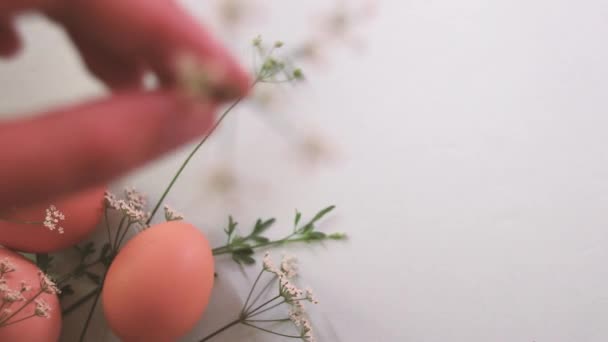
(65,150)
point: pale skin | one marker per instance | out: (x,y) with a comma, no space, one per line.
(67,149)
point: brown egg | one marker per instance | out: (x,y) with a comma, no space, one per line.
(159,284)
(82,212)
(24,325)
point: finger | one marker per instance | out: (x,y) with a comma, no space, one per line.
(157,32)
(71,149)
(9,39)
(116,72)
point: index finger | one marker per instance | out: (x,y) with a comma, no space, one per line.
(154,33)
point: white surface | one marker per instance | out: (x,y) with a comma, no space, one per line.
(472,174)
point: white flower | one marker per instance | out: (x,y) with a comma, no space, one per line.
(24,286)
(310,296)
(6,266)
(52,218)
(171,214)
(47,285)
(42,308)
(11,296)
(289,266)
(132,206)
(269,265)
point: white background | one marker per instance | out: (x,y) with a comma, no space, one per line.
(470,169)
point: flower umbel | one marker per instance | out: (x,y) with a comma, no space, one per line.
(14,301)
(52,218)
(290,297)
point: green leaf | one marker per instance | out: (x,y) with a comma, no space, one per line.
(245,250)
(260,239)
(87,250)
(310,226)
(44,261)
(105,250)
(261,226)
(297,219)
(66,290)
(243,259)
(322,213)
(317,236)
(231,226)
(94,277)
(29,256)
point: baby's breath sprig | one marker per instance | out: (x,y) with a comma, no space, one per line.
(196,81)
(242,247)
(51,221)
(14,301)
(289,296)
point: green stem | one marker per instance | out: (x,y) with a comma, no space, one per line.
(251,291)
(27,302)
(264,289)
(270,331)
(268,320)
(227,248)
(187,160)
(91,312)
(248,314)
(267,309)
(222,329)
(20,221)
(17,321)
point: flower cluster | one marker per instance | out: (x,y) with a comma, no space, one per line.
(9,297)
(52,218)
(171,214)
(132,206)
(292,294)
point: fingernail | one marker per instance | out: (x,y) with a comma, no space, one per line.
(210,79)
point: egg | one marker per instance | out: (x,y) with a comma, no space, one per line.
(159,284)
(36,328)
(82,213)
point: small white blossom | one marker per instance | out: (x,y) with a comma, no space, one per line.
(6,266)
(269,265)
(133,206)
(52,218)
(42,308)
(289,266)
(171,214)
(310,296)
(24,286)
(47,285)
(11,296)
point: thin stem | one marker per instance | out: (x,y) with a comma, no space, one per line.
(91,312)
(81,301)
(227,248)
(267,309)
(21,221)
(269,320)
(193,152)
(187,160)
(248,314)
(105,213)
(17,321)
(115,245)
(222,329)
(123,235)
(27,302)
(270,331)
(251,291)
(255,300)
